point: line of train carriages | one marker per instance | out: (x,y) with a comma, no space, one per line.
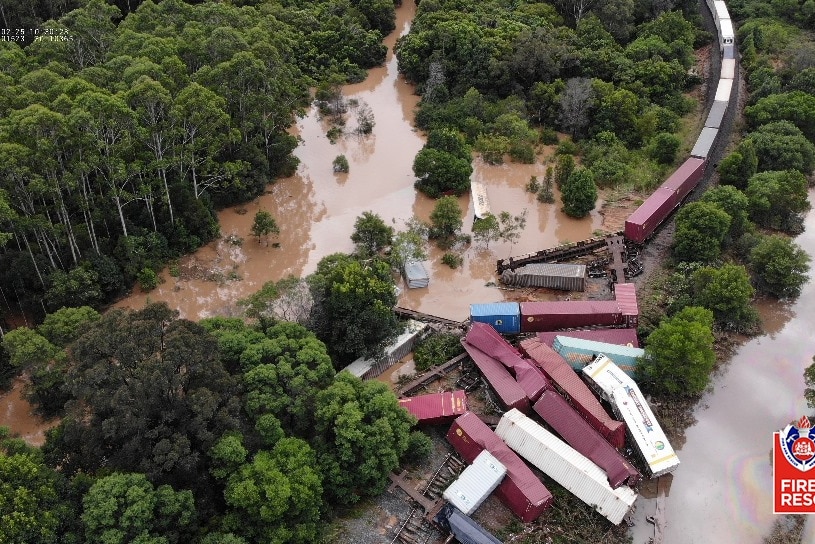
(588,463)
(642,224)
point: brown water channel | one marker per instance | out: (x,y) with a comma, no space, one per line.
(721,492)
(316,210)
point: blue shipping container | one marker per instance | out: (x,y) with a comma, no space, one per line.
(505,317)
(578,353)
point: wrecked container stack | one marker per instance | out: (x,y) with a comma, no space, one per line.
(565,465)
(566,277)
(564,378)
(504,317)
(621,337)
(509,392)
(578,353)
(521,491)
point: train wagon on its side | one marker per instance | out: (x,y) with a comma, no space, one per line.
(510,394)
(621,337)
(436,408)
(577,432)
(578,353)
(521,491)
(504,317)
(528,376)
(567,277)
(475,483)
(462,527)
(575,391)
(565,465)
(628,403)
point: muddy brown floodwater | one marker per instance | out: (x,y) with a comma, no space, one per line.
(16,414)
(721,492)
(316,210)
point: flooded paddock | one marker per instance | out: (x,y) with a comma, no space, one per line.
(316,210)
(16,414)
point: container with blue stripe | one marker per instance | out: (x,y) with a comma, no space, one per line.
(505,317)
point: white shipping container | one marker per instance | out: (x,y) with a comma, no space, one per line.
(721,9)
(727,36)
(649,439)
(604,376)
(565,465)
(475,483)
(723,90)
(728,69)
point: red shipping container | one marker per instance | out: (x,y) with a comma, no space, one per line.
(436,408)
(643,222)
(577,432)
(521,491)
(551,316)
(626,296)
(620,337)
(486,339)
(575,390)
(509,392)
(685,178)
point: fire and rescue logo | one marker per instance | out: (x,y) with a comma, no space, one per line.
(797,444)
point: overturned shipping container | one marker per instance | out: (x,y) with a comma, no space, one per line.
(510,394)
(566,277)
(368,369)
(475,483)
(565,465)
(416,275)
(463,528)
(436,408)
(528,376)
(628,403)
(621,337)
(578,353)
(577,432)
(521,491)
(564,378)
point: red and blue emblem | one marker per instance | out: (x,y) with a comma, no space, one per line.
(797,444)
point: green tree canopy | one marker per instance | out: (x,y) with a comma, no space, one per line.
(277,497)
(727,292)
(361,433)
(439,172)
(149,394)
(679,353)
(67,324)
(27,347)
(264,225)
(445,219)
(780,266)
(579,193)
(779,145)
(734,203)
(123,508)
(777,199)
(700,230)
(371,235)
(33,506)
(796,106)
(353,306)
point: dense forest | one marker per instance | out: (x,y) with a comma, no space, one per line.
(126,127)
(122,135)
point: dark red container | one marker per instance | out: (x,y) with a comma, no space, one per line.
(521,491)
(575,390)
(436,408)
(577,432)
(509,392)
(651,213)
(551,316)
(626,296)
(486,339)
(685,178)
(620,337)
